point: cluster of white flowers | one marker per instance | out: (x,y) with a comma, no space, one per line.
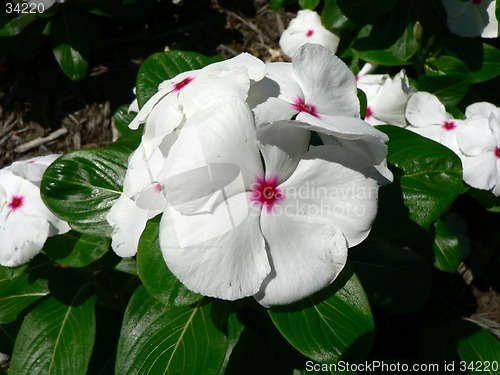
(25,221)
(475,139)
(249,207)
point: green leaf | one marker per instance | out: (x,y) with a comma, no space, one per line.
(406,46)
(154,273)
(70,45)
(331,325)
(490,67)
(428,174)
(308,4)
(477,346)
(450,89)
(16,25)
(81,186)
(18,293)
(361,12)
(363,103)
(165,65)
(333,18)
(368,50)
(56,338)
(447,250)
(160,339)
(446,65)
(396,280)
(75,249)
(121,119)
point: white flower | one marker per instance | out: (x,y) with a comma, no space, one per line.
(183,95)
(472,18)
(177,100)
(307,28)
(278,231)
(386,97)
(317,88)
(25,221)
(480,145)
(428,117)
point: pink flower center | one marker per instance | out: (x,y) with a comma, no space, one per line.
(158,189)
(16,202)
(448,125)
(266,192)
(497,152)
(302,106)
(309,33)
(369,113)
(180,85)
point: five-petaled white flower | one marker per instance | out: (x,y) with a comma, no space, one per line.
(427,116)
(25,221)
(318,89)
(307,28)
(479,143)
(472,18)
(275,228)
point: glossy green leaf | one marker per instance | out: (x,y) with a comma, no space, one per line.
(156,338)
(56,338)
(70,45)
(8,273)
(18,293)
(406,46)
(154,273)
(396,280)
(447,250)
(17,24)
(450,88)
(446,65)
(476,346)
(490,66)
(331,325)
(75,249)
(121,119)
(309,4)
(332,17)
(81,186)
(428,174)
(165,65)
(368,50)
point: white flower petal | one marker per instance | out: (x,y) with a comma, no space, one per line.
(481,171)
(326,81)
(256,69)
(480,109)
(307,253)
(128,222)
(282,145)
(433,132)
(221,134)
(340,126)
(474,140)
(33,169)
(283,74)
(335,183)
(491,30)
(221,254)
(424,109)
(273,109)
(389,104)
(146,109)
(22,236)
